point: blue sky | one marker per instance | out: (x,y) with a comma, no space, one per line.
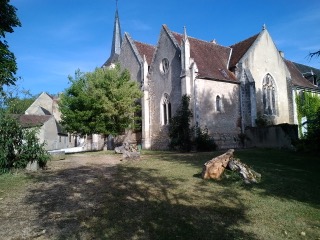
(59,36)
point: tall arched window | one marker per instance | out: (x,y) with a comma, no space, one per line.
(165,109)
(269,95)
(218,104)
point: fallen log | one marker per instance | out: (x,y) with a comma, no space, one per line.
(214,168)
(128,151)
(248,175)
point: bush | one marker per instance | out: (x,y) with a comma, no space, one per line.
(310,142)
(203,141)
(19,146)
(181,134)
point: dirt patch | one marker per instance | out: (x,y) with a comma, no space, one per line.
(60,199)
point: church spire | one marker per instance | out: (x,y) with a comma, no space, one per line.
(117,38)
(116,41)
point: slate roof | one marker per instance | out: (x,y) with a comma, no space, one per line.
(240,48)
(297,77)
(32,120)
(145,50)
(307,69)
(212,59)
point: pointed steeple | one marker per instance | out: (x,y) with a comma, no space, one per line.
(116,40)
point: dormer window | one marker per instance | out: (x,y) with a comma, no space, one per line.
(164,66)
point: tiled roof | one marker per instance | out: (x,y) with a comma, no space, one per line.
(240,48)
(296,76)
(32,120)
(211,59)
(145,50)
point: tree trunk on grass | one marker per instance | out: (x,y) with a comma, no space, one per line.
(129,152)
(249,175)
(214,168)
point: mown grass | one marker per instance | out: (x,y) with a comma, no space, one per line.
(163,197)
(13,182)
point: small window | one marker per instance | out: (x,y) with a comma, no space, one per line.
(164,66)
(218,104)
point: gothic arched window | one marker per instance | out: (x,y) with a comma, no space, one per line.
(269,95)
(165,109)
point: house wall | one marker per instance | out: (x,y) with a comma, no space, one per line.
(160,84)
(263,58)
(224,126)
(48,133)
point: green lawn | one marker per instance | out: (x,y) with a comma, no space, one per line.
(163,197)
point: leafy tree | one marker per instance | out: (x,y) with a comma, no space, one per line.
(19,104)
(103,101)
(8,66)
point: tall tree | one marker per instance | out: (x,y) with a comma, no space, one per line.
(103,101)
(8,66)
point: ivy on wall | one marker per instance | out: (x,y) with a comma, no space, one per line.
(307,106)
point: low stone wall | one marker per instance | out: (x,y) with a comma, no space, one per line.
(57,154)
(278,136)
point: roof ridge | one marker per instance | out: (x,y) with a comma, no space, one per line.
(201,40)
(145,43)
(253,36)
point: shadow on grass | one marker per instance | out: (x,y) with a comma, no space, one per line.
(128,202)
(285,174)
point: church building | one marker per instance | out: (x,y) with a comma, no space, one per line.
(230,87)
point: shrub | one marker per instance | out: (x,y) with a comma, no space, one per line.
(203,141)
(19,146)
(182,136)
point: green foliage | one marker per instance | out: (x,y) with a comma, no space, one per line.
(263,121)
(8,66)
(308,105)
(18,146)
(203,141)
(180,132)
(103,101)
(10,142)
(31,149)
(18,104)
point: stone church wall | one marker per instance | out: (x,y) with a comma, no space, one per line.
(260,63)
(224,126)
(279,136)
(129,61)
(161,83)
